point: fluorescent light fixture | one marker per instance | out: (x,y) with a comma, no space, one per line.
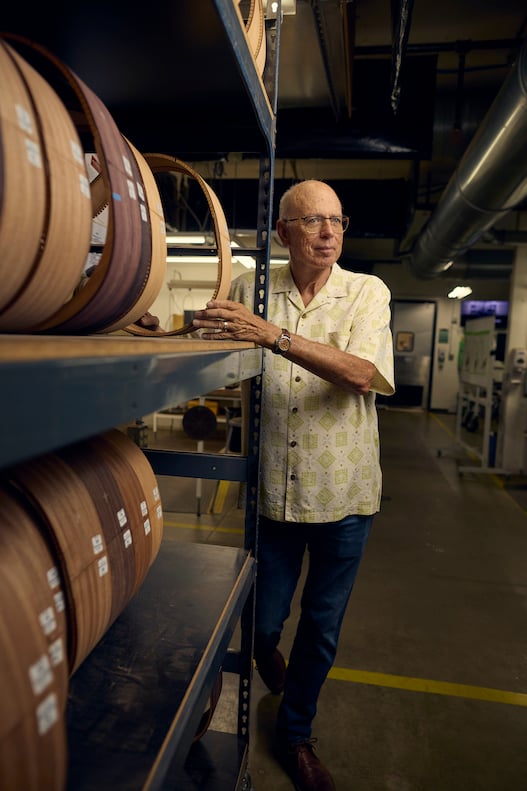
(460,292)
(246,260)
(182,238)
(192,259)
(208,285)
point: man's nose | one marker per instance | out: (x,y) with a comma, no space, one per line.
(326,225)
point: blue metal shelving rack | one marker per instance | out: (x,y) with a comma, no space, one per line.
(58,390)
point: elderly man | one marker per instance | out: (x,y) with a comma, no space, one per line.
(329,352)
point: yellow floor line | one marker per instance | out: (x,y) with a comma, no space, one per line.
(386,679)
(426,685)
(494,478)
(452,434)
(239,531)
(442,424)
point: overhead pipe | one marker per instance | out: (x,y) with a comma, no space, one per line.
(489,181)
(483,265)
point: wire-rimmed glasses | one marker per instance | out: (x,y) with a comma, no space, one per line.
(312,223)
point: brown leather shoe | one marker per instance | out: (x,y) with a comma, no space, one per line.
(272,671)
(307,772)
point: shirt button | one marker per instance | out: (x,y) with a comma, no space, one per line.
(293,477)
(294,410)
(293,444)
(297,379)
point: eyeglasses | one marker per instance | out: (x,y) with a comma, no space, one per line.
(313,222)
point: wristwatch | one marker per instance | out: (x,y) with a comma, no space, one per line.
(283,343)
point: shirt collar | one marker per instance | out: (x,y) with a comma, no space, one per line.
(281,280)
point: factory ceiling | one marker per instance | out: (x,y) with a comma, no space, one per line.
(380,98)
(387,98)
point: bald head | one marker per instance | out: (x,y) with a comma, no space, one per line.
(306,198)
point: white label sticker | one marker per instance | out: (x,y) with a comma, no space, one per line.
(40,675)
(140,191)
(127,166)
(102,565)
(97,544)
(56,652)
(144,508)
(47,620)
(60,605)
(142,210)
(147,527)
(159,512)
(24,120)
(47,714)
(76,151)
(121,517)
(127,538)
(84,185)
(53,578)
(131,189)
(156,493)
(33,153)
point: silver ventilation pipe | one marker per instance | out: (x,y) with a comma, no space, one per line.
(489,181)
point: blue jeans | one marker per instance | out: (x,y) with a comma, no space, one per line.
(335,550)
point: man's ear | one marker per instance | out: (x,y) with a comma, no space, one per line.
(282,230)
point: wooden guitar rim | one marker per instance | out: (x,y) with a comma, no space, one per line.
(162,163)
(100,509)
(255,30)
(123,266)
(156,270)
(23,184)
(144,522)
(139,465)
(66,508)
(111,504)
(33,670)
(65,242)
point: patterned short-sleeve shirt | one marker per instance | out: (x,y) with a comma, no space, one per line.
(320,458)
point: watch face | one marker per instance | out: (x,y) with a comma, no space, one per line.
(282,343)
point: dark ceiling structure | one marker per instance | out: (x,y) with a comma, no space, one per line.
(435,95)
(400,105)
(416,112)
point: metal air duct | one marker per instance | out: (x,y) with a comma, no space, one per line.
(489,181)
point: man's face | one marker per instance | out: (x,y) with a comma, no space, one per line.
(317,250)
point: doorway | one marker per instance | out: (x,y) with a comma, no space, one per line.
(413,334)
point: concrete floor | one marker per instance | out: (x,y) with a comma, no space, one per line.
(429,690)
